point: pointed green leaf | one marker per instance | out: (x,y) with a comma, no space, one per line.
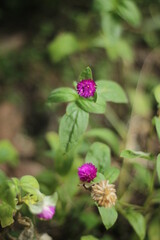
(99,155)
(108,215)
(111,91)
(137,221)
(136,154)
(64,94)
(72,125)
(86,74)
(129,12)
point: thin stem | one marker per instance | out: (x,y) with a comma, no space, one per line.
(115,122)
(131,205)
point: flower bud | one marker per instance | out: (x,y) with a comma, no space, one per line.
(104,194)
(86,88)
(47,213)
(87,172)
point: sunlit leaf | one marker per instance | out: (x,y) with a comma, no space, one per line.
(29,184)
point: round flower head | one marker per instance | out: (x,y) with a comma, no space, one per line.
(87,172)
(104,194)
(47,213)
(86,88)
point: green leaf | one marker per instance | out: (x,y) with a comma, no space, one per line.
(72,125)
(136,154)
(63,162)
(7,192)
(53,140)
(108,215)
(88,237)
(154,229)
(157,93)
(63,45)
(106,135)
(158,166)
(157,123)
(64,94)
(137,221)
(29,184)
(86,74)
(90,106)
(129,12)
(104,6)
(111,91)
(8,153)
(142,177)
(111,174)
(99,177)
(6,215)
(99,155)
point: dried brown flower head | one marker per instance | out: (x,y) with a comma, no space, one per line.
(104,194)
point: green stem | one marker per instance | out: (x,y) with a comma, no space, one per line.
(116,122)
(131,205)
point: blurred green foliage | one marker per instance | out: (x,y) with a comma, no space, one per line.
(120,40)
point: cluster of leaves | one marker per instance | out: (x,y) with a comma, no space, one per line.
(72,131)
(15,192)
(112,15)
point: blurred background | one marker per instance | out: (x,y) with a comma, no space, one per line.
(45,45)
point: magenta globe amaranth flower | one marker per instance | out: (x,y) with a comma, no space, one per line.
(87,172)
(47,213)
(86,88)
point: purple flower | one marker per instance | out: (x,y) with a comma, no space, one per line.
(47,213)
(87,172)
(86,88)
